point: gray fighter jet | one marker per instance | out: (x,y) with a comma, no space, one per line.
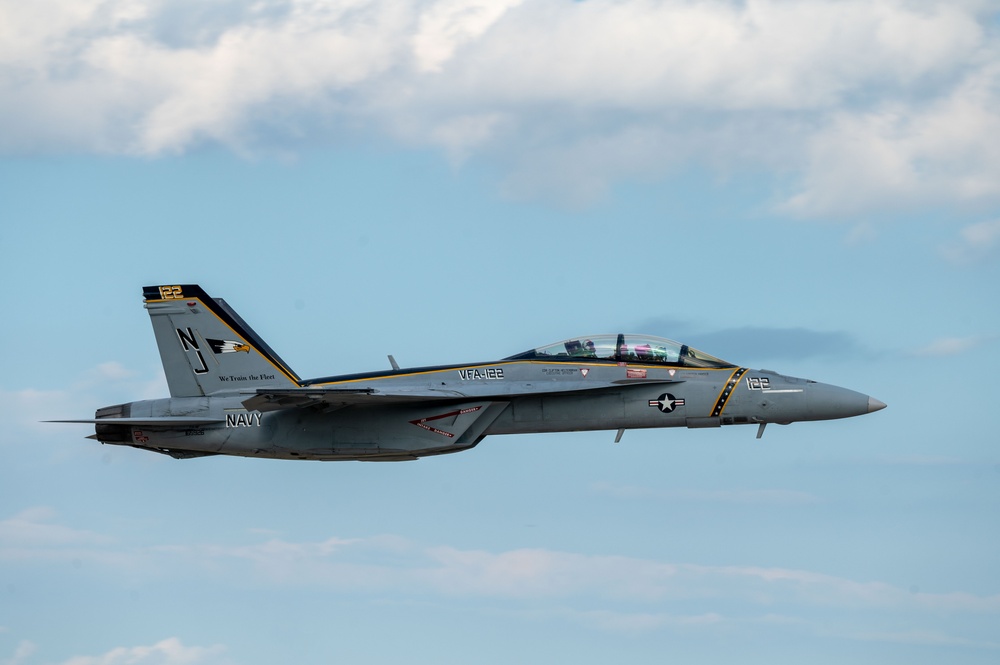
(230,394)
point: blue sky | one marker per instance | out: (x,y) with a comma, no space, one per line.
(810,187)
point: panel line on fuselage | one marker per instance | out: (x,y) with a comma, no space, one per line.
(436,369)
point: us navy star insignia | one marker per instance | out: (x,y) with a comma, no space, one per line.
(666,402)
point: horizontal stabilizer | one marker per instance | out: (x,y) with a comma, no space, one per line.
(165,421)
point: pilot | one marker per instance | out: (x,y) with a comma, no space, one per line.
(589,350)
(661,354)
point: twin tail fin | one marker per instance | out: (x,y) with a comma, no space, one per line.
(206,347)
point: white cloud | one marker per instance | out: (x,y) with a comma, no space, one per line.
(23,651)
(35,538)
(639,622)
(607,592)
(953,346)
(392,564)
(865,104)
(170,651)
(449,24)
(922,153)
(25,410)
(976,243)
(33,533)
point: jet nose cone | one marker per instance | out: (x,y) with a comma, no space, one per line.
(875,405)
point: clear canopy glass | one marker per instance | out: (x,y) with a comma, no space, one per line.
(625,348)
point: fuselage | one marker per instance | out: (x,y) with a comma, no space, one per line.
(231,394)
(481,399)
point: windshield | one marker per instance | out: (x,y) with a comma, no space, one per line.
(625,348)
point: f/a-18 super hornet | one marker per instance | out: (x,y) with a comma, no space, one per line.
(231,394)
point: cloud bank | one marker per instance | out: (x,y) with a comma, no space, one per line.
(853,105)
(384,563)
(608,592)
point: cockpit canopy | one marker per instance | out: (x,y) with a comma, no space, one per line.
(624,348)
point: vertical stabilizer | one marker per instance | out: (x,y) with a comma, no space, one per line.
(206,347)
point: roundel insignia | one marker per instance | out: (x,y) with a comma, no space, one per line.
(666,402)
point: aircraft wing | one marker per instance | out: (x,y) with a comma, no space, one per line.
(330,398)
